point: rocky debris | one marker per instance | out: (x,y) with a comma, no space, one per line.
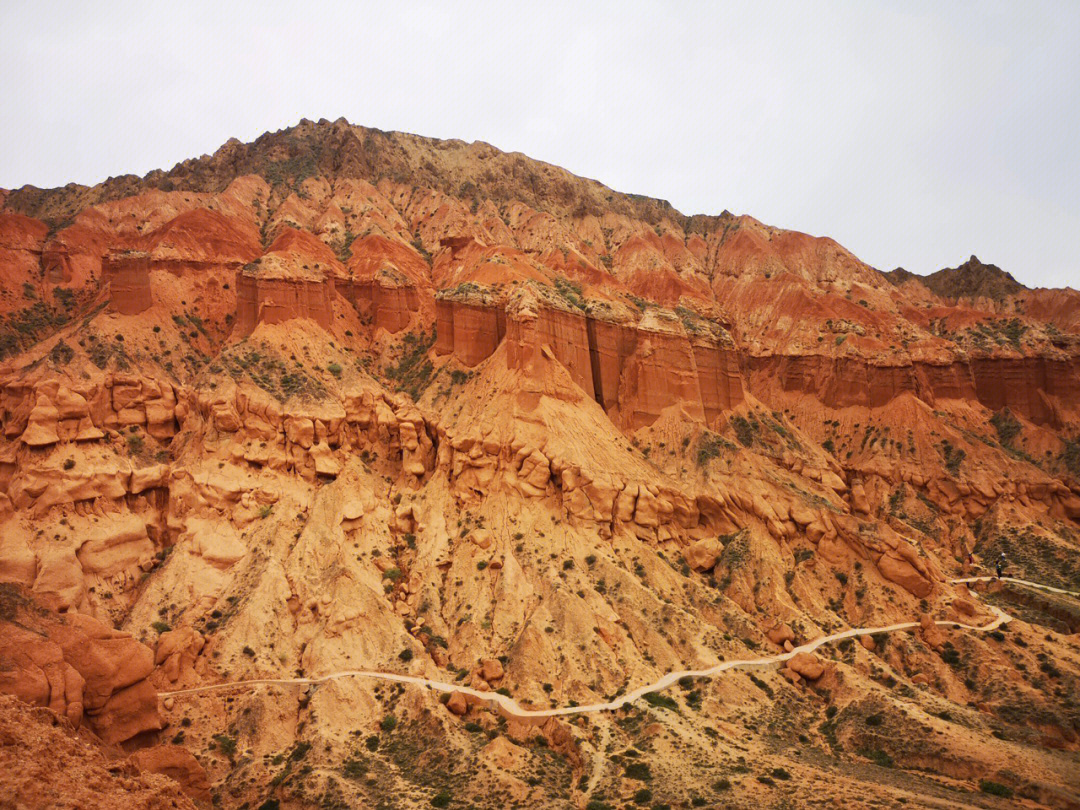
(47,763)
(491,670)
(931,633)
(780,634)
(178,764)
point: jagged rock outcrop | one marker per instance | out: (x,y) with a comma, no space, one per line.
(78,668)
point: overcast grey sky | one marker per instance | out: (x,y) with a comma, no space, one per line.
(914,133)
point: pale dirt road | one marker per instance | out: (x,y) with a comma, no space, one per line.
(511,708)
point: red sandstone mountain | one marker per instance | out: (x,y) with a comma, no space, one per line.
(345,399)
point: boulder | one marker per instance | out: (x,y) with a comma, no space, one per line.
(807,665)
(457,704)
(491,670)
(703,554)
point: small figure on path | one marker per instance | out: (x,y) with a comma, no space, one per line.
(1000,564)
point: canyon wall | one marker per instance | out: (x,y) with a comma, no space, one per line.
(261,299)
(127,276)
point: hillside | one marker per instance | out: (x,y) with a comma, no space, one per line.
(344,400)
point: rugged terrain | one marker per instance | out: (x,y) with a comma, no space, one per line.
(344,399)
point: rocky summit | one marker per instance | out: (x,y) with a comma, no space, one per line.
(349,468)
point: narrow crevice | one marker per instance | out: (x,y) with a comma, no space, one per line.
(594,361)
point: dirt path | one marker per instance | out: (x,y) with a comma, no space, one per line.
(511,708)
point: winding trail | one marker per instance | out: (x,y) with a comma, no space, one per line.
(511,708)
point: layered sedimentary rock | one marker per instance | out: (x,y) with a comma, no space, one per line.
(388,282)
(127,276)
(294,279)
(633,370)
(1038,388)
(266,297)
(471,332)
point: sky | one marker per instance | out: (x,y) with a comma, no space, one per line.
(914,133)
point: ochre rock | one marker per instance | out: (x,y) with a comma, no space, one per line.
(177,650)
(80,668)
(702,555)
(807,665)
(177,763)
(457,704)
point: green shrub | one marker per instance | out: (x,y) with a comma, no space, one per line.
(226,743)
(661,701)
(353,769)
(639,771)
(995,788)
(372,742)
(134,444)
(441,799)
(389,723)
(161,627)
(1006,425)
(720,785)
(877,757)
(642,796)
(744,430)
(335,369)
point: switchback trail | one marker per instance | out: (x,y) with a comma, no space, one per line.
(511,708)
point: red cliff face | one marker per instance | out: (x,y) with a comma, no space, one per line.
(471,332)
(294,279)
(633,371)
(127,276)
(270,299)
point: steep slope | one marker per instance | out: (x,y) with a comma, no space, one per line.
(341,399)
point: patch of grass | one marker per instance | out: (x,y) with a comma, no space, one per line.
(571,292)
